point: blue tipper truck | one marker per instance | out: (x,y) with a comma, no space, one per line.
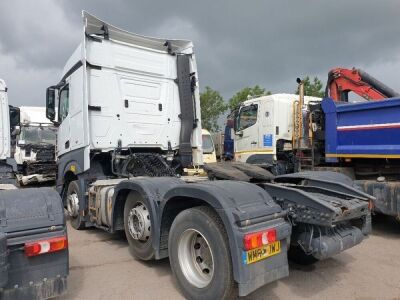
(363,140)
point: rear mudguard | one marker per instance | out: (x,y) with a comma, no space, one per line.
(242,207)
(152,190)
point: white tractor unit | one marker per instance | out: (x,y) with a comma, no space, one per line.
(129,132)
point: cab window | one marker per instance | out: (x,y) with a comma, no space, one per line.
(208,145)
(64,103)
(247,116)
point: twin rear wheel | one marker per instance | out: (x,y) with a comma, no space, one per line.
(198,248)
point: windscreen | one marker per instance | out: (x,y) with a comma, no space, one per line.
(38,135)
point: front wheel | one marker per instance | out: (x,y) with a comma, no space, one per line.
(199,255)
(75,216)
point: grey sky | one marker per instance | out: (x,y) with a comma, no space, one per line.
(237,43)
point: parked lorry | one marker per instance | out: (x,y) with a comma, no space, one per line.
(129,130)
(264,130)
(290,133)
(33,235)
(35,147)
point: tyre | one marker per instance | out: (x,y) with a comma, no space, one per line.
(72,199)
(137,224)
(297,255)
(199,255)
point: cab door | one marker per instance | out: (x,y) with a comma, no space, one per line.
(246,132)
(72,114)
(78,110)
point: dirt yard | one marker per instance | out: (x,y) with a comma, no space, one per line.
(102,268)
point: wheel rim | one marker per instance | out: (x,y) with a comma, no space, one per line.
(195,258)
(139,223)
(73,204)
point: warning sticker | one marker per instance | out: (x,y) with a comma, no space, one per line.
(267,140)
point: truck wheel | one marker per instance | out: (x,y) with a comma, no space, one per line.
(73,205)
(137,224)
(297,255)
(199,255)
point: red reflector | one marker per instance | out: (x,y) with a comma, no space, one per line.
(271,236)
(258,239)
(370,205)
(46,246)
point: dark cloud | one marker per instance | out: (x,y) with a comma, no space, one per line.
(237,43)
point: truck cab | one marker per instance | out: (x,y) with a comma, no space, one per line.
(35,146)
(123,94)
(264,128)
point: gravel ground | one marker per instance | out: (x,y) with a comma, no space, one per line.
(102,268)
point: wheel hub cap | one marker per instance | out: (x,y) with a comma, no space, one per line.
(196,258)
(73,205)
(139,224)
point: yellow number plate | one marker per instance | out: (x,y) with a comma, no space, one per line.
(261,253)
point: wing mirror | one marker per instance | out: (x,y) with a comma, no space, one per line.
(51,103)
(239,133)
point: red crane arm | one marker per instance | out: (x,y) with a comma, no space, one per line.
(341,81)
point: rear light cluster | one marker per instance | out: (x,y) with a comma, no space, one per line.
(259,239)
(46,246)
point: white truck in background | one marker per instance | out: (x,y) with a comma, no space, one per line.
(35,146)
(264,130)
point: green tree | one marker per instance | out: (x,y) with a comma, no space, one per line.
(244,93)
(212,106)
(312,88)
